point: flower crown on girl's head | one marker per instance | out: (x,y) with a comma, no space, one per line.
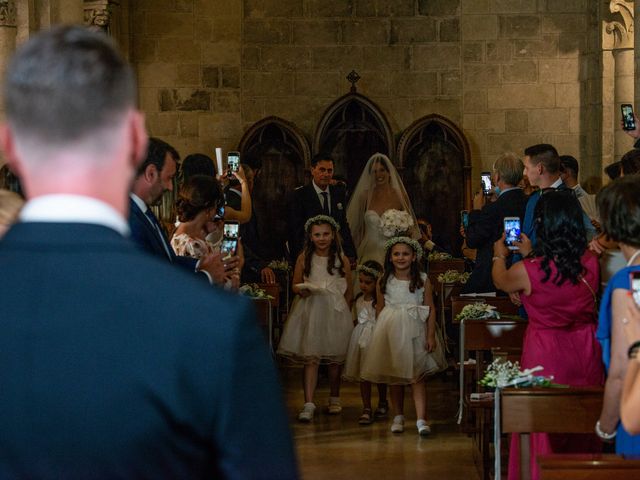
(321,219)
(407,241)
(368,271)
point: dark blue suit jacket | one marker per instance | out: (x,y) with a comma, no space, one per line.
(116,365)
(144,235)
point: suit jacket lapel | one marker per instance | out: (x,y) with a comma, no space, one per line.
(151,231)
(314,201)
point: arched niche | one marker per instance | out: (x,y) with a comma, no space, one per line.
(283,154)
(435,161)
(351,130)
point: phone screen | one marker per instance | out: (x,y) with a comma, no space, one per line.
(486,182)
(464,218)
(634,280)
(230,233)
(512,230)
(628,122)
(233,161)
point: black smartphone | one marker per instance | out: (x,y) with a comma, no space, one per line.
(628,123)
(230,235)
(512,231)
(233,162)
(485,179)
(634,281)
(464,219)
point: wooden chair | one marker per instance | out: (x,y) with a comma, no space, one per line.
(503,305)
(589,466)
(548,410)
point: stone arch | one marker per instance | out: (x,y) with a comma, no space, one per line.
(435,160)
(282,153)
(351,130)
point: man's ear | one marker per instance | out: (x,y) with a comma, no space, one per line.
(151,173)
(8,146)
(139,138)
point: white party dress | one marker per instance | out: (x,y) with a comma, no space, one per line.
(397,354)
(319,327)
(360,339)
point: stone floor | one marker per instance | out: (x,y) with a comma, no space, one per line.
(336,447)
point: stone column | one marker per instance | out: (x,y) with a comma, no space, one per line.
(618,37)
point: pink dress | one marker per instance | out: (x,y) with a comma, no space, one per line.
(561,338)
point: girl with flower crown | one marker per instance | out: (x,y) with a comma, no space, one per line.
(405,346)
(319,326)
(368,274)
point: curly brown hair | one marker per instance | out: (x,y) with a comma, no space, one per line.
(199,193)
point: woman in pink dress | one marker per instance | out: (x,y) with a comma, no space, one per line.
(557,281)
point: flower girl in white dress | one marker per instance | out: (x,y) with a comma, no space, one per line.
(405,346)
(368,274)
(319,326)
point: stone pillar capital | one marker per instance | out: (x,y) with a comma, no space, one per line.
(7,13)
(97,13)
(618,26)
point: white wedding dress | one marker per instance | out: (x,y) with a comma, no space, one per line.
(372,245)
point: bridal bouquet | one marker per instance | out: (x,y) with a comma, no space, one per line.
(395,222)
(453,276)
(477,310)
(508,374)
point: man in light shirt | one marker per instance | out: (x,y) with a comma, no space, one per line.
(114,364)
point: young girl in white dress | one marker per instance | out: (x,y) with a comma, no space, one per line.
(405,346)
(368,274)
(319,326)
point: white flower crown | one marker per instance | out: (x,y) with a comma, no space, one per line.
(321,219)
(368,270)
(407,241)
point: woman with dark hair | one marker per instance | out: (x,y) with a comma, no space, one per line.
(619,207)
(557,283)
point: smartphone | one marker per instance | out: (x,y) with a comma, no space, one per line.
(512,230)
(219,213)
(464,219)
(628,123)
(485,178)
(233,162)
(634,281)
(230,235)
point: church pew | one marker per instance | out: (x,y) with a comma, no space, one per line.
(548,410)
(588,467)
(436,267)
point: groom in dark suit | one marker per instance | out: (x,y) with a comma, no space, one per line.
(114,364)
(319,197)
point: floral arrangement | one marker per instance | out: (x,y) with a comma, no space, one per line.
(395,222)
(477,310)
(254,291)
(508,374)
(439,256)
(368,271)
(453,276)
(407,241)
(321,219)
(280,265)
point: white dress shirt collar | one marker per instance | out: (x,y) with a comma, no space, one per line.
(318,189)
(65,208)
(556,184)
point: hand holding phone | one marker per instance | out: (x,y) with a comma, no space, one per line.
(233,163)
(628,120)
(230,236)
(485,178)
(512,232)
(464,219)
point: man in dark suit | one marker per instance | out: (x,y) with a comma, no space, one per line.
(113,363)
(319,197)
(486,220)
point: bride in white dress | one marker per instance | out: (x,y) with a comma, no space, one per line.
(379,189)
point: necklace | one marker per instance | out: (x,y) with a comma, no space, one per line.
(633,257)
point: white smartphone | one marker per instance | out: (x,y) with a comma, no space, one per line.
(233,162)
(230,235)
(512,230)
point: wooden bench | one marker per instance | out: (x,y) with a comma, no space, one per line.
(436,267)
(588,466)
(547,410)
(503,305)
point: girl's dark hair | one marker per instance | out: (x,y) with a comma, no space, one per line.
(619,209)
(376,266)
(630,162)
(335,251)
(416,269)
(197,164)
(561,235)
(200,192)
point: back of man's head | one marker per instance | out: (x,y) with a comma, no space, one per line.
(630,162)
(64,84)
(570,166)
(545,154)
(156,155)
(510,168)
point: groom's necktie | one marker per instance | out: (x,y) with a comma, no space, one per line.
(156,225)
(325,203)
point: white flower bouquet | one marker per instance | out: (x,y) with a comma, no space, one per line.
(439,256)
(254,291)
(395,222)
(502,374)
(477,310)
(454,276)
(280,265)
